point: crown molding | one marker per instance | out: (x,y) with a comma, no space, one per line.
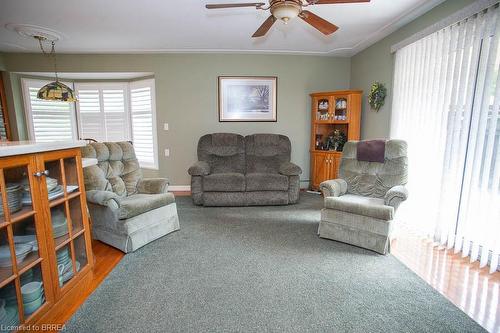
(394,25)
(371,39)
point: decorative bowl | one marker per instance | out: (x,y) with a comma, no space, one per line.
(31,291)
(32,306)
(22,250)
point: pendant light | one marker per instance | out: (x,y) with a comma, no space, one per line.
(54,91)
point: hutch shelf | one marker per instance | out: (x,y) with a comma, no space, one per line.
(45,245)
(335,118)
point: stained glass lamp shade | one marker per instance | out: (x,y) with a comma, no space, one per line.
(56,91)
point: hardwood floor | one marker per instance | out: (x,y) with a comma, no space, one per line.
(106,258)
(470,288)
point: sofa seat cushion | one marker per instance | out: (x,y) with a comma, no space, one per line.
(224,182)
(137,204)
(266,182)
(365,206)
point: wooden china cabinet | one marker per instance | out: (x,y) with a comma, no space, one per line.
(45,241)
(334,114)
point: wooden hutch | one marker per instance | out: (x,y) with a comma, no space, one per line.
(45,241)
(334,115)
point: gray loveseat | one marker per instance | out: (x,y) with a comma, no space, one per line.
(233,170)
(127,210)
(361,204)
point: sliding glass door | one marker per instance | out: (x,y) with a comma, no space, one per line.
(446,105)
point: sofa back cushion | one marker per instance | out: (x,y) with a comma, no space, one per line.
(117,168)
(374,179)
(266,152)
(224,152)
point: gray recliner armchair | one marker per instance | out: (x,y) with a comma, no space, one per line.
(127,210)
(360,205)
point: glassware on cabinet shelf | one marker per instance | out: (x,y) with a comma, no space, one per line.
(17,190)
(65,265)
(9,311)
(54,179)
(32,290)
(6,264)
(25,236)
(59,223)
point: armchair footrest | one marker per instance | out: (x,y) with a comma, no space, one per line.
(357,237)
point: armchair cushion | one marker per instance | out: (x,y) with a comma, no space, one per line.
(200,168)
(359,205)
(333,188)
(137,204)
(152,186)
(395,196)
(103,198)
(224,182)
(266,182)
(290,169)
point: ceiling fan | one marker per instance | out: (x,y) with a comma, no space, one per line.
(285,10)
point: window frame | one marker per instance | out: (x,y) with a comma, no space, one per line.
(28,114)
(100,86)
(75,109)
(147,83)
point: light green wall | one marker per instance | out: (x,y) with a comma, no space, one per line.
(2,65)
(186,95)
(376,63)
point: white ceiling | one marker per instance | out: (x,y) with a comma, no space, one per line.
(149,26)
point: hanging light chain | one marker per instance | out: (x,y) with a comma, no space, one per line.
(52,52)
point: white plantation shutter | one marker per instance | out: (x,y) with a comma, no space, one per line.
(47,120)
(103,113)
(89,114)
(143,114)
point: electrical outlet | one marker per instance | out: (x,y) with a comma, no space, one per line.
(167,152)
(165,126)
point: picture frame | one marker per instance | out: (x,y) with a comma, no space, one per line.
(247,98)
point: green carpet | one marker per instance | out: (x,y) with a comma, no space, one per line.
(262,269)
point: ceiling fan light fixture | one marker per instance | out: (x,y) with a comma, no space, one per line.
(285,11)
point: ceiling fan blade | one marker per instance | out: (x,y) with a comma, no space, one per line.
(264,28)
(332,2)
(234,5)
(322,25)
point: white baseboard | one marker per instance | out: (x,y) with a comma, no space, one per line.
(179,188)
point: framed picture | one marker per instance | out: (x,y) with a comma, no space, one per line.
(247,98)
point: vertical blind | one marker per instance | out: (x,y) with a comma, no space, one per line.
(446,105)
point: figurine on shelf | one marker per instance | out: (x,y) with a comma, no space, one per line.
(336,140)
(319,141)
(323,104)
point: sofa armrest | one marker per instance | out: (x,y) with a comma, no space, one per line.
(395,196)
(290,169)
(103,198)
(200,168)
(152,185)
(333,188)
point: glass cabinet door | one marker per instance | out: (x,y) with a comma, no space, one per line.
(24,268)
(67,215)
